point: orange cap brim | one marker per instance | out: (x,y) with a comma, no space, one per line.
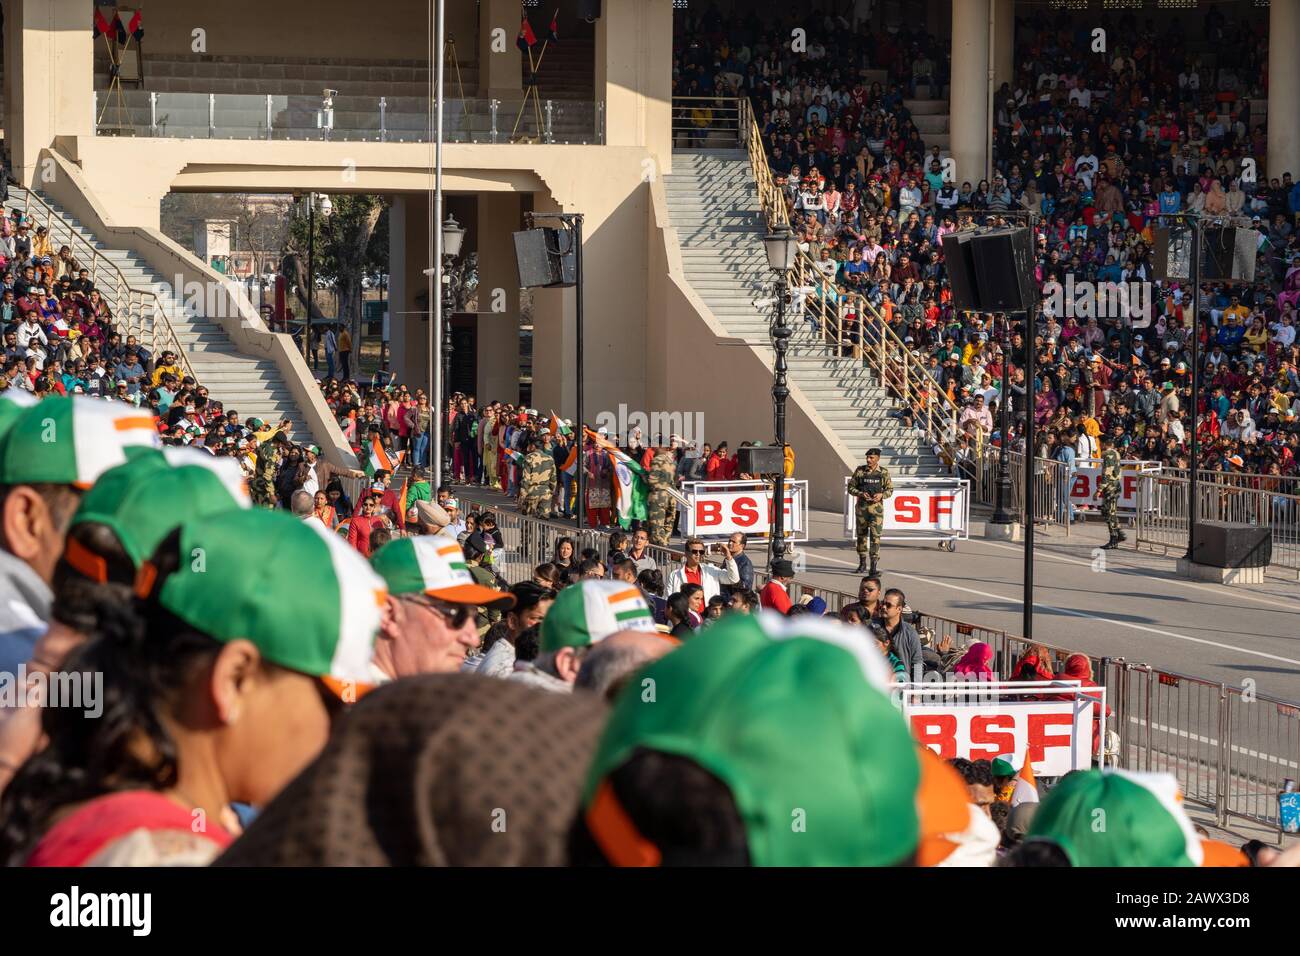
(1220,854)
(943,807)
(475,594)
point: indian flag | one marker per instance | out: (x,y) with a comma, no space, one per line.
(630,486)
(558,427)
(380,460)
(514,456)
(1025,787)
(570,466)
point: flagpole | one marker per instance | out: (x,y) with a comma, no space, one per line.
(439,419)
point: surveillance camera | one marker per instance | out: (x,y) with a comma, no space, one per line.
(330,94)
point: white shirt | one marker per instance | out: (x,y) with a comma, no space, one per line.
(712,578)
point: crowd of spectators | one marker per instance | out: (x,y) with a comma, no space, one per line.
(1096,149)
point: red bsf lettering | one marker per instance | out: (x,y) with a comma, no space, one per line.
(907,508)
(1082,487)
(708,513)
(1040,737)
(991,735)
(941,729)
(744,511)
(940,505)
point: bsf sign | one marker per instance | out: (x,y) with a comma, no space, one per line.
(926,507)
(720,508)
(1134,493)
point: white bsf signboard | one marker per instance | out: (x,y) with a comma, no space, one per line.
(720,508)
(924,507)
(1055,735)
(1134,493)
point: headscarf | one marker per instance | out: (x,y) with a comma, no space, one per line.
(437,770)
(1092,428)
(976,660)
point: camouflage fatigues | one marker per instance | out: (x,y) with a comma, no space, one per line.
(1110,479)
(262,487)
(661,507)
(870,515)
(537,485)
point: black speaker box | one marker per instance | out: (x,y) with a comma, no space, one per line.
(545,258)
(960,263)
(588,9)
(1004,270)
(1225,544)
(1172,256)
(764,460)
(1229,254)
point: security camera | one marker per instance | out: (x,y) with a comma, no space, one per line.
(330,94)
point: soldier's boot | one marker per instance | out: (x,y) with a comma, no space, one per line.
(1121,535)
(1113,542)
(862,564)
(874,568)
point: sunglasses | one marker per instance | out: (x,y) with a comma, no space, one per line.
(455,615)
(697,551)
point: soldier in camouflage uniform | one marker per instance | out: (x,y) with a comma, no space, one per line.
(871,485)
(537,484)
(661,507)
(269,453)
(1109,491)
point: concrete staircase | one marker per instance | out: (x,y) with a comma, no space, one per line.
(714,207)
(251,386)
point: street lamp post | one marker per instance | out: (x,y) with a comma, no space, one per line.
(311,275)
(781,247)
(1002,512)
(451,234)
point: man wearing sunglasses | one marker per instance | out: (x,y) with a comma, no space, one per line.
(430,621)
(708,576)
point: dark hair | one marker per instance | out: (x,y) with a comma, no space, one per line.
(556,553)
(894,592)
(145,655)
(77,598)
(1000,812)
(528,644)
(587,565)
(547,572)
(1033,853)
(976,773)
(626,565)
(379,537)
(689,590)
(747,596)
(618,541)
(679,606)
(651,580)
(675,804)
(590,554)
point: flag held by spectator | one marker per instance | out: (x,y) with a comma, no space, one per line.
(570,466)
(379,459)
(526,39)
(558,427)
(630,486)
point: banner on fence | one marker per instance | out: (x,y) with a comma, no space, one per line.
(716,509)
(1003,718)
(1134,493)
(923,507)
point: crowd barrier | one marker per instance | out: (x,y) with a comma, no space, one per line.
(1230,747)
(1051,486)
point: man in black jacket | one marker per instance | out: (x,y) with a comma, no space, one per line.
(903,639)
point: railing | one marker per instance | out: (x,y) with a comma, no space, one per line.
(137,312)
(706,122)
(1229,747)
(1163,524)
(1051,485)
(248,116)
(873,342)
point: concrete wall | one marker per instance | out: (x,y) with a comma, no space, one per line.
(237,318)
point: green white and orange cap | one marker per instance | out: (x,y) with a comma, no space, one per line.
(1112,817)
(434,564)
(13,402)
(308,601)
(591,611)
(145,499)
(73,440)
(790,714)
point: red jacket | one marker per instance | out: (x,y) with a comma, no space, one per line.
(773,597)
(359,532)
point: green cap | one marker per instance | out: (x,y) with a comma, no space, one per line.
(72,441)
(434,564)
(145,499)
(793,715)
(591,611)
(307,600)
(13,402)
(1111,817)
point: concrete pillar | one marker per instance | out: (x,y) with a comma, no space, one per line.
(50,93)
(408,253)
(968,104)
(1283,89)
(634,39)
(1004,41)
(500,72)
(498,285)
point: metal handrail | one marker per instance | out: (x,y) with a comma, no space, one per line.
(724,118)
(139,310)
(893,363)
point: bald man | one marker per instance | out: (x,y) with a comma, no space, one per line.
(611,663)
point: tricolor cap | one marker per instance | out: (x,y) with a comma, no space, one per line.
(72,441)
(143,500)
(591,611)
(13,402)
(434,564)
(1145,823)
(308,601)
(790,714)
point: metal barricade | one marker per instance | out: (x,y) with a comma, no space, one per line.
(1051,486)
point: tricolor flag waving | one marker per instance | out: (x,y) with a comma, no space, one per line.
(526,39)
(379,459)
(557,426)
(1025,788)
(630,485)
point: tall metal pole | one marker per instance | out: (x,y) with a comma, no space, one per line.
(780,341)
(1031,361)
(579,421)
(311,275)
(439,418)
(448,310)
(1002,513)
(1193,464)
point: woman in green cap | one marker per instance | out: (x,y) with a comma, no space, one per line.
(218,686)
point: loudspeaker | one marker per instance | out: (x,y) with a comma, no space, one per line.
(589,9)
(1004,270)
(960,263)
(1229,254)
(1172,257)
(1226,544)
(545,258)
(763,460)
